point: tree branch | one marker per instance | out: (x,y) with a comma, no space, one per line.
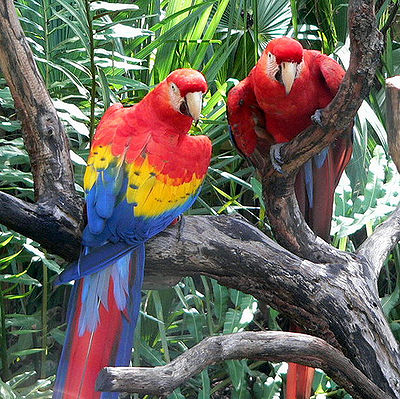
(336,301)
(61,208)
(48,224)
(44,136)
(376,248)
(271,346)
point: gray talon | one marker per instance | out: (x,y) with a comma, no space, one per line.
(317,118)
(276,159)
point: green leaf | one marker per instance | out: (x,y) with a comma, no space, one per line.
(10,126)
(6,392)
(220,300)
(7,259)
(26,352)
(125,31)
(39,255)
(389,302)
(21,278)
(6,241)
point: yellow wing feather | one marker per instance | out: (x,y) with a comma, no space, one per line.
(152,191)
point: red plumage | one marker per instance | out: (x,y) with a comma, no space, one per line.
(274,104)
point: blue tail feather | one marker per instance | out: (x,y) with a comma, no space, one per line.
(110,331)
(96,260)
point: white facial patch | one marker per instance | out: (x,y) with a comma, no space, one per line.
(272,66)
(299,68)
(175,97)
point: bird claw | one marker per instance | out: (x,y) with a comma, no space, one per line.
(276,159)
(317,118)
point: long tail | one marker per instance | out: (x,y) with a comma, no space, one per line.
(315,191)
(102,315)
(299,381)
(299,378)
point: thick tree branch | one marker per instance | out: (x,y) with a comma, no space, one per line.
(47,224)
(335,301)
(45,140)
(272,346)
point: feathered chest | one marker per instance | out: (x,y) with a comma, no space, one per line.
(155,174)
(288,114)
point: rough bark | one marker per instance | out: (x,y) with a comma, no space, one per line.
(45,141)
(335,301)
(273,346)
(46,223)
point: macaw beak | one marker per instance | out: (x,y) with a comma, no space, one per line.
(289,70)
(194,102)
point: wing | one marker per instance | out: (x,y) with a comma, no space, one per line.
(246,119)
(136,185)
(332,73)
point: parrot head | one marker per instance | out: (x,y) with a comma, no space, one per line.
(186,88)
(284,61)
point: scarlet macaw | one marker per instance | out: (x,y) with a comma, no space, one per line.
(274,104)
(143,171)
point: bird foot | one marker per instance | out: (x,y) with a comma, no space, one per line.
(317,118)
(276,158)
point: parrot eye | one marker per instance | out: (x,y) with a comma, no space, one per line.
(174,87)
(271,57)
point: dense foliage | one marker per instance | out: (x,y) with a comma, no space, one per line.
(94,53)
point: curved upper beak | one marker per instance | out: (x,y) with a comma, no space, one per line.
(194,102)
(289,70)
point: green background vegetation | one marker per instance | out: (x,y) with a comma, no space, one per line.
(92,54)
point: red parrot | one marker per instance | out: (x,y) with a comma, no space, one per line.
(274,104)
(143,171)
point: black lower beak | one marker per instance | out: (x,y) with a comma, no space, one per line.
(184,109)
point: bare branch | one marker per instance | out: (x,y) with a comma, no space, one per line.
(335,301)
(44,136)
(48,224)
(56,220)
(376,248)
(272,346)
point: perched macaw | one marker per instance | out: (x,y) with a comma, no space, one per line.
(274,104)
(143,171)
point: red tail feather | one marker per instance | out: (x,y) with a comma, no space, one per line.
(299,381)
(91,352)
